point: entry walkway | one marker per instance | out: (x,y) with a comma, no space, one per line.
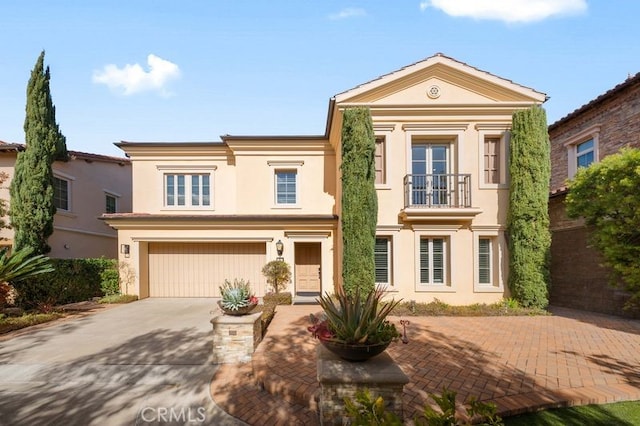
(520,363)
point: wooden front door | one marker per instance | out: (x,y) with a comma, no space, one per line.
(307,267)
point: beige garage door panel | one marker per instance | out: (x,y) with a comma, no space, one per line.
(198,269)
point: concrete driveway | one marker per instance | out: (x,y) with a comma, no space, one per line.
(147,362)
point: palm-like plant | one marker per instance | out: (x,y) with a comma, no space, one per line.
(20,265)
(353,319)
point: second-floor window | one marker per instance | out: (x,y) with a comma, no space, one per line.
(187,190)
(61,193)
(286,187)
(111,203)
(585,153)
(381,173)
(492,160)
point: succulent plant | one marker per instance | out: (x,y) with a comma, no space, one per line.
(236,295)
(355,319)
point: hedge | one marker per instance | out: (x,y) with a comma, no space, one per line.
(74,280)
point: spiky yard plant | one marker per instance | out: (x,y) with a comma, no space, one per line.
(237,295)
(356,319)
(20,265)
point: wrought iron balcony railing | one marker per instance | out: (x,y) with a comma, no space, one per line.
(437,191)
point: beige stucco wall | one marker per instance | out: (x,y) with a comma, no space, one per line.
(78,233)
(242,183)
(138,240)
(470,105)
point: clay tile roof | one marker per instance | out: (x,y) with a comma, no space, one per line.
(630,81)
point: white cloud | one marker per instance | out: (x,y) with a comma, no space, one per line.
(507,10)
(349,12)
(132,79)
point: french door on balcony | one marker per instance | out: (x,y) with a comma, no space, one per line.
(429,169)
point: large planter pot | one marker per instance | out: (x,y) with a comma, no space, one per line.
(355,353)
(240,311)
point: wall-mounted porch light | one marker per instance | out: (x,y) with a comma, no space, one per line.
(124,249)
(279,249)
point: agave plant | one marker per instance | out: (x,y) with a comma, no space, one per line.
(237,295)
(353,319)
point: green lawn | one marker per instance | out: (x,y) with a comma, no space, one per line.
(617,414)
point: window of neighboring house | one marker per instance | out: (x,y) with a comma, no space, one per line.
(61,193)
(381,172)
(492,159)
(111,203)
(582,149)
(188,190)
(432,260)
(585,153)
(286,187)
(382,258)
(485,261)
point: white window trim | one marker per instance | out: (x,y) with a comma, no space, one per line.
(444,133)
(498,260)
(69,179)
(283,166)
(592,132)
(385,131)
(187,171)
(498,131)
(449,274)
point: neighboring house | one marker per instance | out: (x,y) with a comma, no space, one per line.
(85,187)
(588,134)
(205,212)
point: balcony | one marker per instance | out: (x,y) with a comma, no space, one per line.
(438,197)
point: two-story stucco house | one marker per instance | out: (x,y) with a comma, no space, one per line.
(597,129)
(203,212)
(85,187)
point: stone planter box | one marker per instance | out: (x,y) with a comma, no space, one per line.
(235,337)
(339,379)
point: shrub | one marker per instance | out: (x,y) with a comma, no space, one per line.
(110,281)
(606,195)
(359,201)
(74,280)
(284,298)
(528,216)
(278,274)
(119,298)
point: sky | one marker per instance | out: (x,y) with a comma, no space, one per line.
(192,70)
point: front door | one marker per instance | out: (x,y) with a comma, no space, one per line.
(307,267)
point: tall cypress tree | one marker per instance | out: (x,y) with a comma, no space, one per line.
(359,200)
(32,208)
(528,215)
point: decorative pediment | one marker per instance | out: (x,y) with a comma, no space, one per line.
(438,81)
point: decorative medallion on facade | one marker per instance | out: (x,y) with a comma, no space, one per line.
(433,92)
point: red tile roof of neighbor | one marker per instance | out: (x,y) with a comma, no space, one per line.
(6,146)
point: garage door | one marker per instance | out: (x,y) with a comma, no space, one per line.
(198,269)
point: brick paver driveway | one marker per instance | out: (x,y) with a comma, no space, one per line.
(521,363)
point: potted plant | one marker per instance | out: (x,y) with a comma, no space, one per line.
(237,297)
(354,327)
